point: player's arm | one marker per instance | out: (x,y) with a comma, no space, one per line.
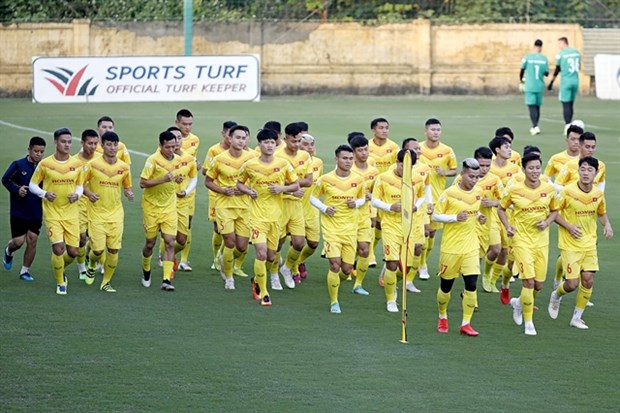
(555,75)
(608,232)
(145,182)
(521,73)
(7,178)
(378,201)
(306,181)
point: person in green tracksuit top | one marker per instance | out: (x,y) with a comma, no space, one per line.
(534,67)
(567,63)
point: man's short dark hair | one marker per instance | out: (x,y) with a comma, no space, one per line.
(61,131)
(36,141)
(166,136)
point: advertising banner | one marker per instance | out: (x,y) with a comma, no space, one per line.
(607,72)
(145,79)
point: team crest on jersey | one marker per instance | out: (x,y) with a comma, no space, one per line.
(389,151)
(71,168)
(353,185)
(543,195)
(301,162)
(488,187)
(119,172)
(509,174)
(594,199)
(276,169)
(440,155)
(184,163)
(477,197)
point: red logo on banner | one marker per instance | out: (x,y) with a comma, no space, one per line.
(67,82)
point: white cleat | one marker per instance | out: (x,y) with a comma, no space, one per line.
(288,277)
(423,273)
(554,305)
(412,288)
(517,311)
(275,282)
(590,304)
(392,307)
(578,323)
(229,284)
(530,330)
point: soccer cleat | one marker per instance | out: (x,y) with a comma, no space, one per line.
(26,277)
(381,274)
(146,278)
(590,304)
(513,279)
(392,307)
(578,323)
(537,130)
(288,277)
(238,272)
(412,288)
(83,275)
(486,284)
(494,289)
(213,265)
(360,290)
(530,330)
(504,296)
(372,264)
(229,284)
(275,282)
(255,290)
(90,276)
(61,289)
(175,264)
(184,266)
(7,260)
(266,301)
(107,288)
(423,273)
(335,308)
(160,262)
(517,311)
(468,330)
(303,272)
(554,305)
(442,325)
(167,286)
(297,278)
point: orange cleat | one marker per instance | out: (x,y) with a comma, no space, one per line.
(468,330)
(255,290)
(442,325)
(175,264)
(504,296)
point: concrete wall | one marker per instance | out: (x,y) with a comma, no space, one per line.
(416,57)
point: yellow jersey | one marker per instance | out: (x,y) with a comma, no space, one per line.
(187,169)
(582,209)
(160,197)
(460,237)
(442,156)
(570,173)
(224,171)
(302,166)
(106,180)
(383,155)
(317,171)
(122,154)
(557,161)
(190,144)
(370,175)
(506,172)
(388,189)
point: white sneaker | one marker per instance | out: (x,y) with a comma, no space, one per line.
(517,312)
(530,330)
(184,266)
(423,273)
(554,305)
(392,307)
(590,304)
(229,284)
(537,130)
(412,288)
(275,282)
(145,283)
(82,275)
(100,268)
(532,131)
(513,279)
(578,323)
(288,277)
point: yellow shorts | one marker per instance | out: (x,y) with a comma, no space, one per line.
(573,262)
(265,232)
(233,220)
(83,219)
(392,245)
(155,222)
(373,212)
(292,221)
(436,225)
(453,265)
(343,247)
(417,230)
(183,220)
(67,231)
(531,262)
(106,235)
(313,225)
(192,203)
(495,232)
(212,214)
(365,232)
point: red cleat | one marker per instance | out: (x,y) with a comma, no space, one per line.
(255,290)
(175,264)
(442,325)
(266,301)
(468,330)
(303,272)
(535,307)
(504,296)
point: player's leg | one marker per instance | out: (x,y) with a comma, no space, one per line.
(523,307)
(414,262)
(114,236)
(98,236)
(184,259)
(81,257)
(333,277)
(227,229)
(297,228)
(589,266)
(32,237)
(19,229)
(392,244)
(571,265)
(151,229)
(168,260)
(470,268)
(216,240)
(242,237)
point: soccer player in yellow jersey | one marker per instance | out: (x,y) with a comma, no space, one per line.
(89,142)
(570,171)
(218,148)
(185,122)
(62,176)
(421,176)
(104,178)
(367,214)
(232,205)
(311,214)
(159,180)
(534,209)
(277,127)
(489,233)
(292,221)
(342,193)
(442,161)
(580,203)
(507,133)
(106,124)
(386,196)
(557,161)
(459,208)
(265,178)
(505,171)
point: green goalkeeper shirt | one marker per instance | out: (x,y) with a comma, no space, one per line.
(569,61)
(536,66)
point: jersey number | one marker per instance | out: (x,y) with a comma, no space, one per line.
(573,64)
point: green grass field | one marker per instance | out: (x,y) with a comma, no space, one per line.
(202,348)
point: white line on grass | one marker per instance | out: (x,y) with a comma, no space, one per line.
(14,126)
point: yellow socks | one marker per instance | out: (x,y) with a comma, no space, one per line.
(389,285)
(275,265)
(111,261)
(469,304)
(146,263)
(560,291)
(443,299)
(583,296)
(186,247)
(488,264)
(333,284)
(81,257)
(216,244)
(228,261)
(67,259)
(527,303)
(58,266)
(362,269)
(291,257)
(260,276)
(167,267)
(496,271)
(559,271)
(239,257)
(93,260)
